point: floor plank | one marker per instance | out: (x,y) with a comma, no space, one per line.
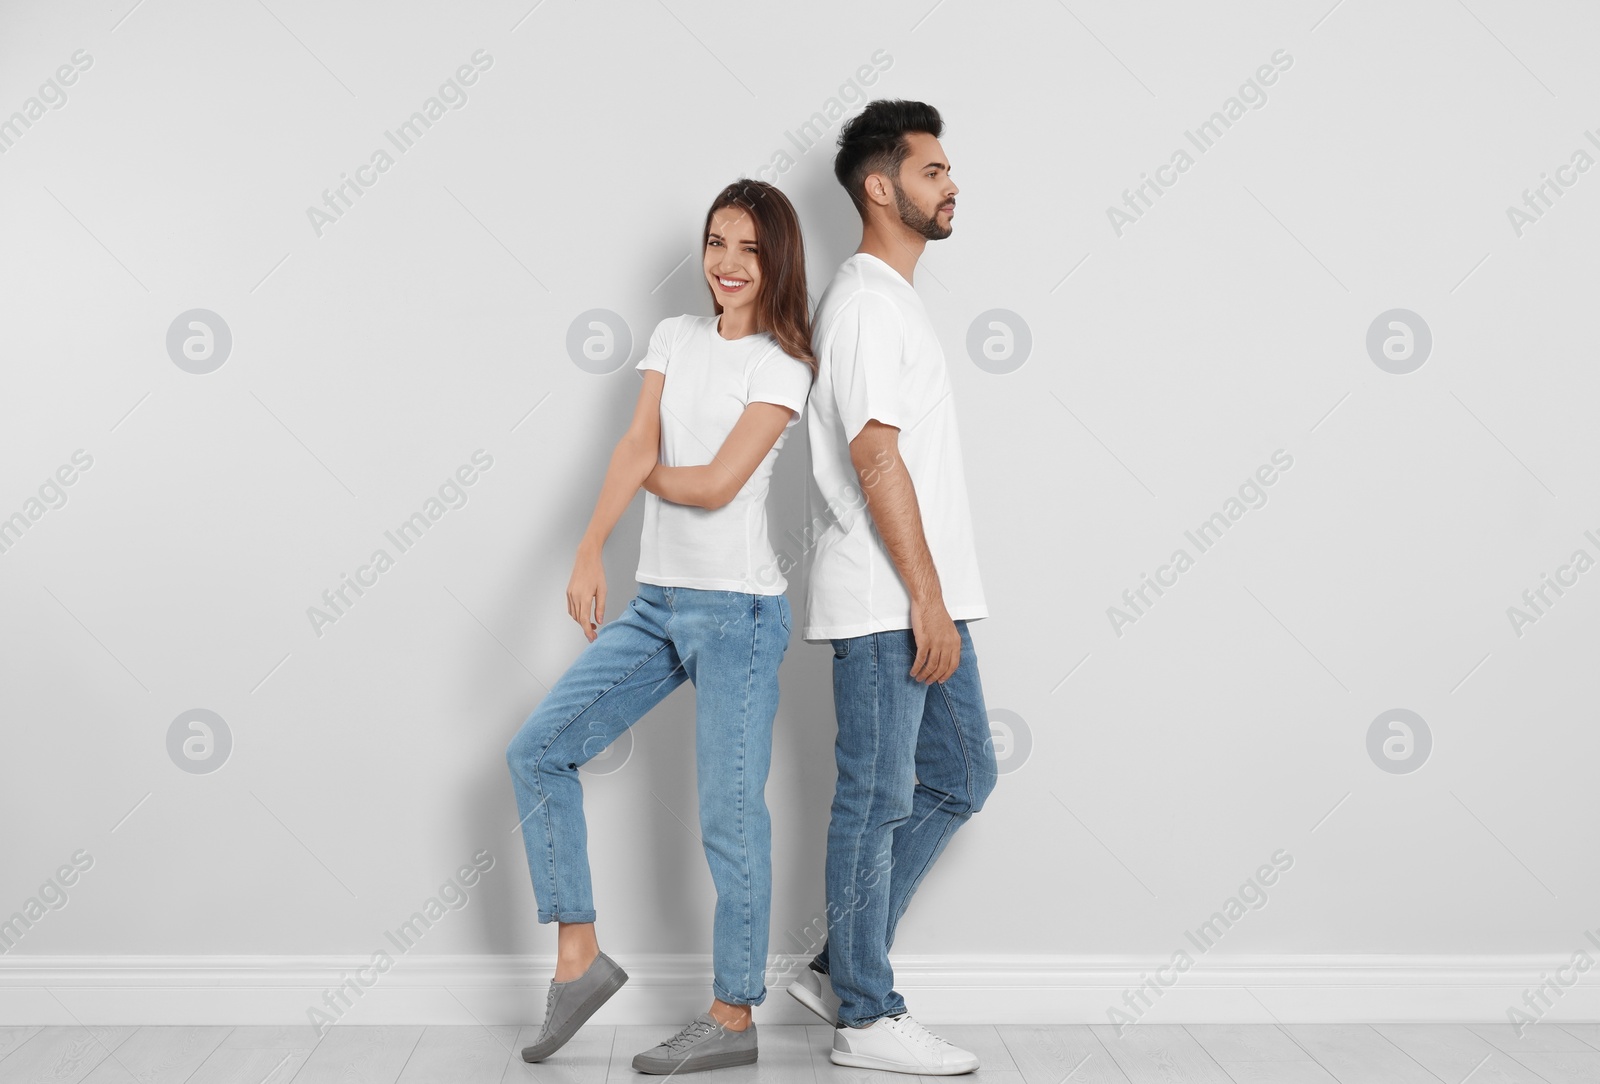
(799,1054)
(61,1055)
(1258,1054)
(1159,1054)
(785,1058)
(461,1055)
(11,1038)
(1048,1054)
(1589,1033)
(1563,1066)
(586,1059)
(360,1055)
(1280,1072)
(1535,1038)
(262,1055)
(1356,1054)
(1246,1042)
(159,1055)
(1453,1052)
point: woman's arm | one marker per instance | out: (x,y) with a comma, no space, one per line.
(636,453)
(716,483)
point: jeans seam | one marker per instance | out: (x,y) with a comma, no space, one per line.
(961,743)
(744,837)
(855,846)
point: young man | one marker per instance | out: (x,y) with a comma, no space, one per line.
(893,585)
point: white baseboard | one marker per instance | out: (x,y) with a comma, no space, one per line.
(666,989)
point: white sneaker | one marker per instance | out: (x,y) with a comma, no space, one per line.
(899,1044)
(814,990)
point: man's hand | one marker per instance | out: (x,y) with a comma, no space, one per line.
(587,588)
(938,642)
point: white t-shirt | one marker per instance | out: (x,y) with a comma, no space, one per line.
(710,380)
(879,358)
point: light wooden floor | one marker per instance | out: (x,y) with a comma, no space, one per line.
(791,1054)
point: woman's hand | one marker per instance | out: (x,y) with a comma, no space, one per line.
(587,589)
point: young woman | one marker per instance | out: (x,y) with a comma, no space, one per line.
(720,393)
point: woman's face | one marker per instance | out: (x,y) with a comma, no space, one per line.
(732,266)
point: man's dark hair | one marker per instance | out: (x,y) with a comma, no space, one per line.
(874,141)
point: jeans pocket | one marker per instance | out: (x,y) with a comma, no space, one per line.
(841,648)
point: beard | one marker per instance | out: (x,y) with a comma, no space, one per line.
(914,218)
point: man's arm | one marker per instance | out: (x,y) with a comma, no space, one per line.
(892,502)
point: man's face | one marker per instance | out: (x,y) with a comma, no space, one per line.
(924,193)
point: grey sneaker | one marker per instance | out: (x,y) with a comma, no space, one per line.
(571,1003)
(703,1044)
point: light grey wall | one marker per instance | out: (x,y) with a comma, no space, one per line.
(1150,770)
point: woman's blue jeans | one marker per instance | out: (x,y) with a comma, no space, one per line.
(729,644)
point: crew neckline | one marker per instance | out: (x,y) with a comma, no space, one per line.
(716,331)
(880,261)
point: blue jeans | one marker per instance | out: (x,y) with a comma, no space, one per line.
(727,643)
(915,762)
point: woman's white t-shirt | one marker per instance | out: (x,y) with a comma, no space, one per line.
(709,382)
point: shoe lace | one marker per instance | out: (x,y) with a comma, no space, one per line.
(549,1000)
(907,1025)
(692,1032)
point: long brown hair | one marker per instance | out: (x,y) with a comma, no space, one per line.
(783,308)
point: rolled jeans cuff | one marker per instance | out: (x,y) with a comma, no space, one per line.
(566,916)
(727,998)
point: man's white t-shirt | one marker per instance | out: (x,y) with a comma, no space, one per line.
(709,382)
(879,358)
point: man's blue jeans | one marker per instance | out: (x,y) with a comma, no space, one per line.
(729,644)
(915,761)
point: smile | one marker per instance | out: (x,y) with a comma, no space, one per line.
(732,286)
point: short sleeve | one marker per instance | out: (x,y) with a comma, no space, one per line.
(865,355)
(660,345)
(782,379)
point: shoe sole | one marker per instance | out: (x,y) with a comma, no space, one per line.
(538,1052)
(810,1001)
(864,1061)
(665,1067)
